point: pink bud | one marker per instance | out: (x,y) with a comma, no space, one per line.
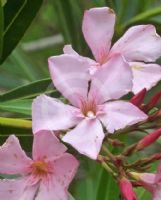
(153,101)
(148,140)
(138,99)
(127,189)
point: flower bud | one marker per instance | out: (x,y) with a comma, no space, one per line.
(138,99)
(150,182)
(145,179)
(126,189)
(148,140)
(115,142)
(153,101)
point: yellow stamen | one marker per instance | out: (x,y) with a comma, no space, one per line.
(40,168)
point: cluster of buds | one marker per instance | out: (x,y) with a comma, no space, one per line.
(151,107)
(136,174)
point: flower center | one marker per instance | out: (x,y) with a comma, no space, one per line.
(90,114)
(40,168)
(89,108)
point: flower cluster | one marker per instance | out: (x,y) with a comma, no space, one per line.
(91,115)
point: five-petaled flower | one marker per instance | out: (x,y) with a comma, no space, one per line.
(94,105)
(46,176)
(140,46)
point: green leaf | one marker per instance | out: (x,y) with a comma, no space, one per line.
(18,15)
(69,16)
(71,197)
(3,2)
(30,90)
(1,28)
(14,122)
(86,186)
(143,16)
(99,2)
(108,189)
(17,106)
(19,127)
(143,194)
(22,66)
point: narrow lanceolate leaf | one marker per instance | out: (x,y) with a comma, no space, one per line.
(108,189)
(31,90)
(20,127)
(17,123)
(3,2)
(17,106)
(18,14)
(144,16)
(1,28)
(69,14)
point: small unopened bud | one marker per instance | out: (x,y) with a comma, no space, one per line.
(152,158)
(115,142)
(135,175)
(138,99)
(148,140)
(156,156)
(126,189)
(153,101)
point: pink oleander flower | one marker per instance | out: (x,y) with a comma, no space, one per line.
(45,177)
(140,46)
(152,182)
(93,106)
(126,189)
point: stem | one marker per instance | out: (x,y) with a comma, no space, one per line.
(109,154)
(106,166)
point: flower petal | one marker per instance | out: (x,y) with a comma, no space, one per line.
(11,189)
(51,114)
(93,65)
(145,75)
(65,169)
(87,137)
(112,80)
(51,190)
(157,193)
(13,159)
(120,114)
(98,28)
(46,145)
(70,75)
(29,192)
(139,43)
(69,50)
(148,178)
(149,182)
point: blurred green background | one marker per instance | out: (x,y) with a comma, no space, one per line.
(24,73)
